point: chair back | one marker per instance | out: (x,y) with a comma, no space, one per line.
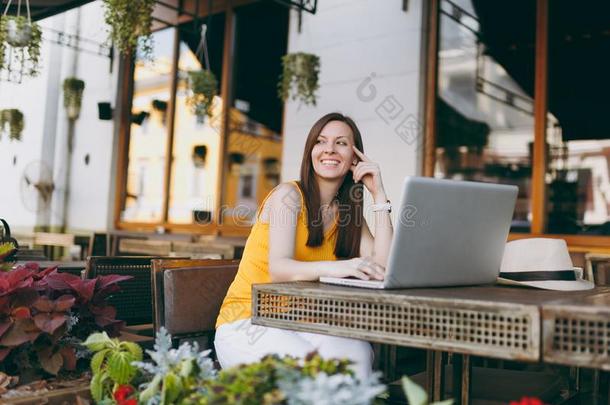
(134,302)
(188,294)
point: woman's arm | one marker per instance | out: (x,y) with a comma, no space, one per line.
(282,210)
(378,248)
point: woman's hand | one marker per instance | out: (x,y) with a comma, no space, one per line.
(363,268)
(369,173)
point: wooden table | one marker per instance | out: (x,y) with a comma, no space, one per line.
(490,321)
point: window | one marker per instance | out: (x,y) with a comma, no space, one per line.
(578,134)
(178,164)
(148,134)
(488,118)
(255,121)
(485,113)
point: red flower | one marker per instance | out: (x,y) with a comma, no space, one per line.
(121,394)
(527,401)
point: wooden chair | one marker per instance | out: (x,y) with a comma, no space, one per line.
(134,302)
(597,268)
(199,250)
(145,247)
(188,295)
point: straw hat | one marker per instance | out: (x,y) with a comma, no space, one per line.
(541,263)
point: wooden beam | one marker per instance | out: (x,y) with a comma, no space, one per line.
(539,157)
(122,124)
(431,89)
(226,94)
(171,118)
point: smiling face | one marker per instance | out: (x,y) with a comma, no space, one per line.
(332,154)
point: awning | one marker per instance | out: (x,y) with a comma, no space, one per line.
(40,9)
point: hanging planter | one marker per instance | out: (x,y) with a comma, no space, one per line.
(299,78)
(73,96)
(14,119)
(203,87)
(20,40)
(130,22)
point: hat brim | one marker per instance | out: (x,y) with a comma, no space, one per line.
(557,285)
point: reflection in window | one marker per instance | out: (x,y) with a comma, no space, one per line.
(148,139)
(254,144)
(196,151)
(485,115)
(578,134)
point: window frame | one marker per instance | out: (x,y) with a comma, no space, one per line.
(576,243)
(124,99)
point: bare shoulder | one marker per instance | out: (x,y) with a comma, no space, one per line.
(284,197)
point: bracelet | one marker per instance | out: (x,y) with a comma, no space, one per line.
(387,206)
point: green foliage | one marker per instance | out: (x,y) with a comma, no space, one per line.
(174,372)
(111,364)
(204,87)
(27,55)
(416,395)
(14,119)
(73,93)
(299,78)
(288,380)
(7,249)
(130,22)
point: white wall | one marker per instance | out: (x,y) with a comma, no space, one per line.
(370,70)
(45,134)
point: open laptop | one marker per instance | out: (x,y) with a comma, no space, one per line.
(446,233)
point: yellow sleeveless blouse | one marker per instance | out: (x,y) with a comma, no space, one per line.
(254,265)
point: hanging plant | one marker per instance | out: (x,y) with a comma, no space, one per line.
(20,40)
(299,78)
(14,119)
(73,96)
(203,87)
(130,22)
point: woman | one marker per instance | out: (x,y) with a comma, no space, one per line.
(303,231)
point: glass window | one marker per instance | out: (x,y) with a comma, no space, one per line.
(148,137)
(196,151)
(485,109)
(578,135)
(254,144)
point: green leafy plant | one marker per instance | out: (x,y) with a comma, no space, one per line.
(14,119)
(174,373)
(203,87)
(288,380)
(416,395)
(299,78)
(25,37)
(131,23)
(111,364)
(73,96)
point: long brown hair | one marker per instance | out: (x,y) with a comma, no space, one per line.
(349,196)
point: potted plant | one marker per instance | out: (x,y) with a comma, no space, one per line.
(130,22)
(14,119)
(299,78)
(73,96)
(25,37)
(44,318)
(203,87)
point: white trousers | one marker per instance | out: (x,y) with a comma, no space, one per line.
(241,342)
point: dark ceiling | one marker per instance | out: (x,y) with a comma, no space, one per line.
(40,9)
